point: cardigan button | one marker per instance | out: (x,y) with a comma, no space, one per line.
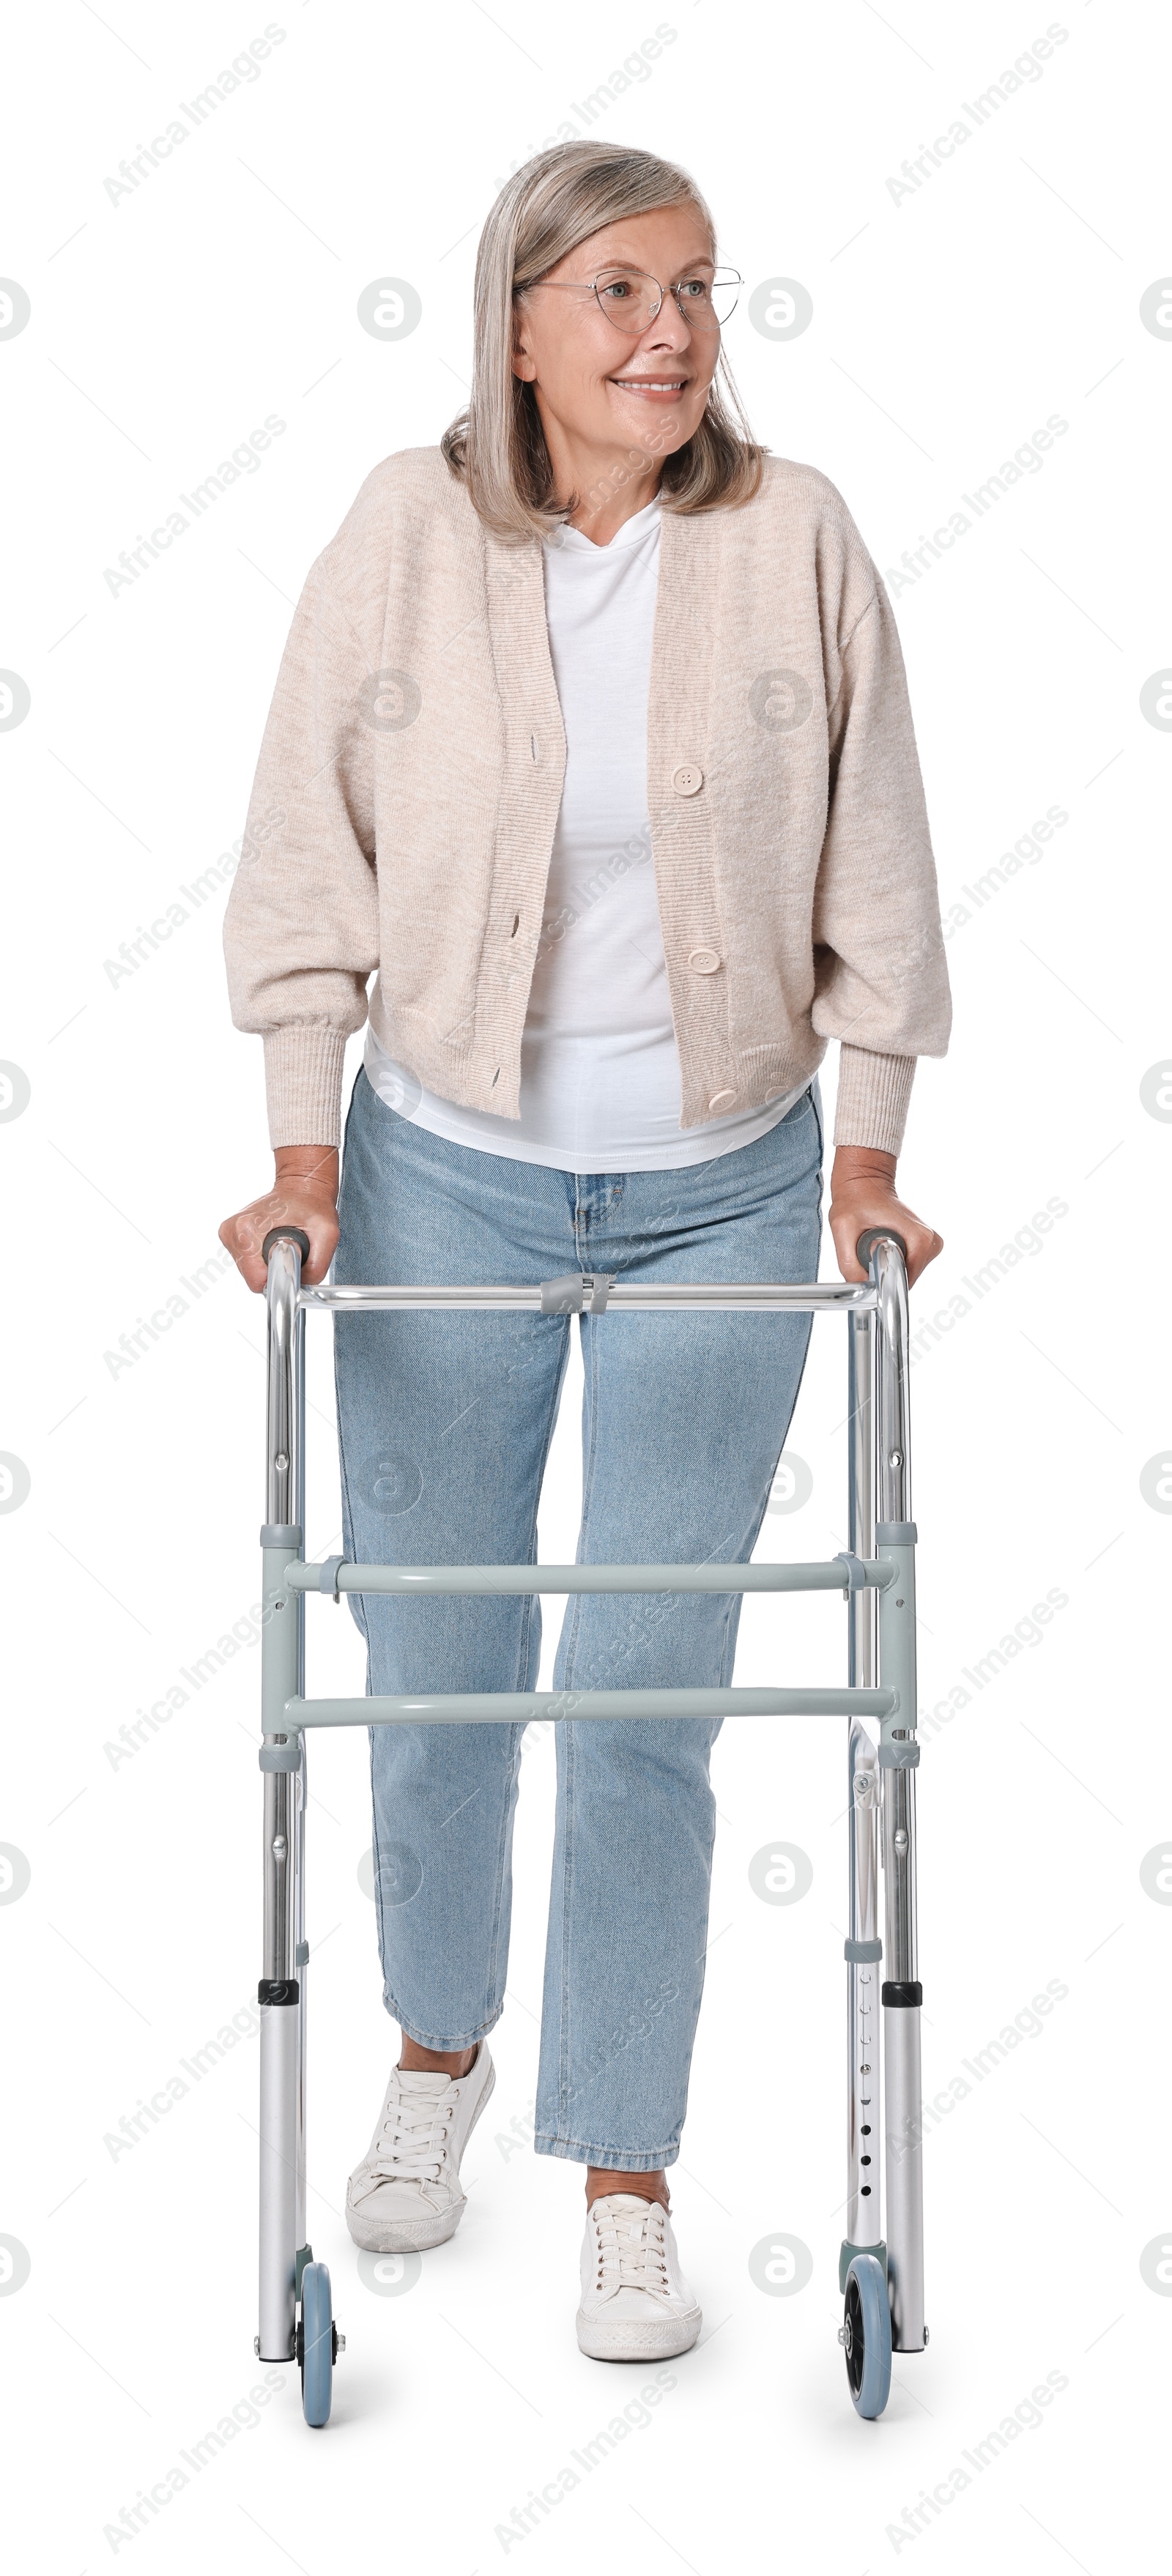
(704,961)
(722,1100)
(688,780)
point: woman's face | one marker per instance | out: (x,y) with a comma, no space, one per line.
(620,388)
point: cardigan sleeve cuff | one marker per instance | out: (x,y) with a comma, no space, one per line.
(303,1078)
(873,1096)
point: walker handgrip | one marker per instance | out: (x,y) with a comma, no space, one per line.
(285,1234)
(876,1234)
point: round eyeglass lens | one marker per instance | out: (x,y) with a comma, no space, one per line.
(630,299)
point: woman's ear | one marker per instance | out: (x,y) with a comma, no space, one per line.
(524,365)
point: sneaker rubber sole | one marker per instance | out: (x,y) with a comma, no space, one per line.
(632,2339)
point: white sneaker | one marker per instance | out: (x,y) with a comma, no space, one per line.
(405,2195)
(636,2304)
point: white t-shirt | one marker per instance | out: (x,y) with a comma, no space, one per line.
(600,1070)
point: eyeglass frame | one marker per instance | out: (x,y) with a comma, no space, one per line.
(589,286)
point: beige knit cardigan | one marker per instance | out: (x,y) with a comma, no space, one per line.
(410,775)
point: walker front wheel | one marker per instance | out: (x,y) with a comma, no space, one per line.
(865,2335)
(316,2344)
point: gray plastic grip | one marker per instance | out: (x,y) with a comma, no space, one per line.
(877,1234)
(285,1234)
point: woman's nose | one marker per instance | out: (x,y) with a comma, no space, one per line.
(669,329)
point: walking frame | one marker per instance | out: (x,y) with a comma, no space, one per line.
(881,2277)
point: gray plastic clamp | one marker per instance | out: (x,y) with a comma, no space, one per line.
(895,1533)
(580,1292)
(280,1534)
(899,1757)
(856,1950)
(854,1570)
(847,2256)
(327,1575)
(281,1757)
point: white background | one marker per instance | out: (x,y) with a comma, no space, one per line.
(947,326)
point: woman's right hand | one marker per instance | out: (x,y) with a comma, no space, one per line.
(305,1194)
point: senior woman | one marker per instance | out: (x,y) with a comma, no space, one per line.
(592,739)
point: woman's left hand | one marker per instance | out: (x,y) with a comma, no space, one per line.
(863,1193)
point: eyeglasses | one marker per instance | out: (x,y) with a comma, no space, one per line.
(631,299)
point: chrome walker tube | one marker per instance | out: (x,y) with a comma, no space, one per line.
(281,1993)
(882,1813)
(880,1573)
(864,2206)
(598,1296)
(864,1949)
(895,1536)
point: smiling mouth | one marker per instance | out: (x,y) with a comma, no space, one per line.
(650,384)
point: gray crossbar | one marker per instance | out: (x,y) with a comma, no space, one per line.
(519,1708)
(831,1576)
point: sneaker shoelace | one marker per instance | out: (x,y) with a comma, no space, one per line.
(632,2248)
(412,2142)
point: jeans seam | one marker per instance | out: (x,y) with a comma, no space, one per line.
(504,1841)
(589,1460)
(505,1838)
(588,1466)
(568,1769)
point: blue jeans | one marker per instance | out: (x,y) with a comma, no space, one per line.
(445,1423)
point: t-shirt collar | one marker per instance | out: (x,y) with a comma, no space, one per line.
(573,541)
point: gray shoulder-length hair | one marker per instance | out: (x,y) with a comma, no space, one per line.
(497,446)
